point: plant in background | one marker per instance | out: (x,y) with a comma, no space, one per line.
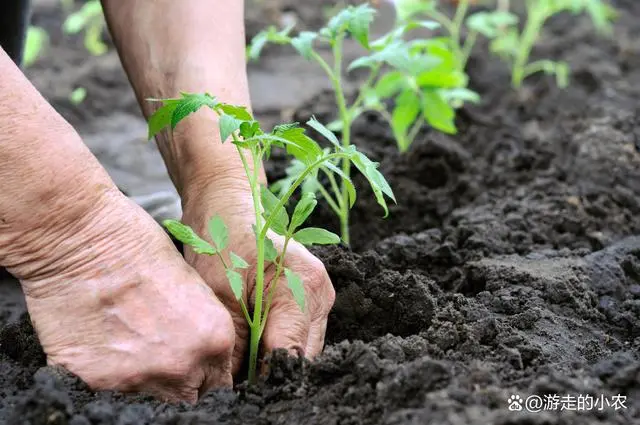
(237,124)
(36,40)
(515,46)
(501,27)
(419,76)
(90,19)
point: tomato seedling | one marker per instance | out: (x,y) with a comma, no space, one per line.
(515,46)
(90,19)
(271,216)
(420,76)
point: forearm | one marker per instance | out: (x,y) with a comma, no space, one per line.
(42,164)
(168,47)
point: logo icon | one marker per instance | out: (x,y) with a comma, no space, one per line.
(515,403)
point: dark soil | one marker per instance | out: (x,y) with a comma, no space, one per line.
(509,265)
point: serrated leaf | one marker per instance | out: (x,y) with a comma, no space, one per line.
(228,125)
(303,210)
(249,129)
(346,181)
(187,236)
(405,9)
(238,262)
(303,43)
(257,44)
(389,84)
(218,232)
(377,181)
(236,283)
(438,113)
(316,236)
(161,118)
(302,147)
(441,78)
(190,103)
(320,128)
(404,114)
(359,22)
(491,24)
(280,219)
(239,112)
(295,284)
(270,251)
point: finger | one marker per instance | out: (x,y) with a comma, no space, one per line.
(317,332)
(287,325)
(206,267)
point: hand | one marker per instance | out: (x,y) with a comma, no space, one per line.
(113,302)
(287,326)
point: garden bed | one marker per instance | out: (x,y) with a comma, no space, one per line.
(510,266)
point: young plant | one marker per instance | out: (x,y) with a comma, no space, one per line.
(420,76)
(477,23)
(237,124)
(515,46)
(89,19)
(36,41)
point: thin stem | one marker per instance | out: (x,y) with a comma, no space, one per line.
(336,209)
(346,137)
(335,188)
(247,316)
(467,48)
(536,18)
(413,133)
(533,67)
(259,284)
(274,283)
(284,199)
(373,75)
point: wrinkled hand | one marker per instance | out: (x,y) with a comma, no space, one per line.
(113,302)
(287,326)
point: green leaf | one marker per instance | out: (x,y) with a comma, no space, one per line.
(187,236)
(390,84)
(161,118)
(303,210)
(280,219)
(294,282)
(438,113)
(228,125)
(37,39)
(438,78)
(74,23)
(320,128)
(190,103)
(257,44)
(238,262)
(249,129)
(404,114)
(351,190)
(236,283)
(239,112)
(491,24)
(302,147)
(316,236)
(405,9)
(359,22)
(270,251)
(78,95)
(303,43)
(377,181)
(218,232)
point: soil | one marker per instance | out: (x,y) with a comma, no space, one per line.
(510,266)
